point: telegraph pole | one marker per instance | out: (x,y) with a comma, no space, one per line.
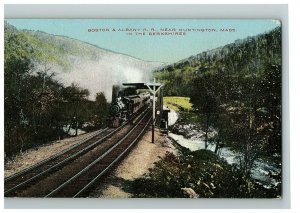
(153,91)
(153,115)
(154,88)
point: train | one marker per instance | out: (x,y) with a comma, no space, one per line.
(125,106)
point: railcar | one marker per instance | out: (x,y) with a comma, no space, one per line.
(125,106)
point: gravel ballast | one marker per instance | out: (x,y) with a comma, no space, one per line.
(135,165)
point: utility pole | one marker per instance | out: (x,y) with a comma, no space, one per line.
(153,115)
(155,89)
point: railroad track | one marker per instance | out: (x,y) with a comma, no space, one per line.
(22,180)
(81,183)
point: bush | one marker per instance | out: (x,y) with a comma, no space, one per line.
(203,171)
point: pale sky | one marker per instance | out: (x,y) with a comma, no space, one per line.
(151,48)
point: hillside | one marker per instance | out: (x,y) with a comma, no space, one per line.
(54,85)
(87,65)
(244,57)
(235,91)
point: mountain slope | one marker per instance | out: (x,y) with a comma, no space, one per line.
(244,57)
(91,67)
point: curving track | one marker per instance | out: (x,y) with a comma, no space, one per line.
(81,183)
(18,183)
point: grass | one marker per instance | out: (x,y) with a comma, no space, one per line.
(178,103)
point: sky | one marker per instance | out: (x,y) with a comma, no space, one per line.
(205,34)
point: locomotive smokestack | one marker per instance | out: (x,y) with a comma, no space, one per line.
(115,93)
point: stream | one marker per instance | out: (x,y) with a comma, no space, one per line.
(259,172)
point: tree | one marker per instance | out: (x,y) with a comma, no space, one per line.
(17,67)
(270,106)
(101,110)
(75,98)
(37,108)
(205,100)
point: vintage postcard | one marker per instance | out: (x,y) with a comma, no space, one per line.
(143,108)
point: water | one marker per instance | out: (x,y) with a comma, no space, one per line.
(72,131)
(260,171)
(172,117)
(197,144)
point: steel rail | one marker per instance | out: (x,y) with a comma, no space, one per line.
(51,158)
(111,164)
(95,161)
(66,160)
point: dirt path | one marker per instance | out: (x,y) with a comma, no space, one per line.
(137,163)
(33,156)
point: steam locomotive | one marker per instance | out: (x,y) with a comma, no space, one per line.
(125,106)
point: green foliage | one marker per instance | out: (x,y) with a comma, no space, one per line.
(102,109)
(235,90)
(243,57)
(37,107)
(203,171)
(56,50)
(178,103)
(17,66)
(245,110)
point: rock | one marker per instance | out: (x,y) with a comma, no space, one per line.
(190,192)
